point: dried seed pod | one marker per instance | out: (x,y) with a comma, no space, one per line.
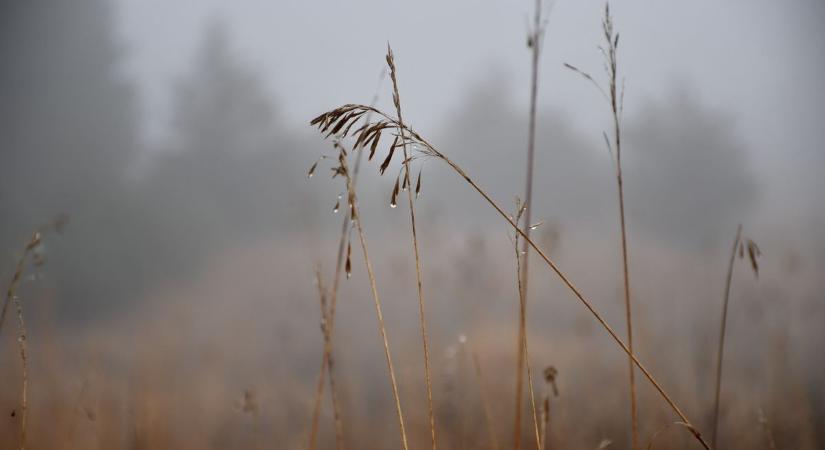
(753,254)
(394,197)
(387,161)
(550,374)
(311,170)
(374,145)
(348,265)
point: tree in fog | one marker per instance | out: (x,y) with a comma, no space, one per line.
(68,122)
(68,117)
(217,181)
(225,176)
(690,179)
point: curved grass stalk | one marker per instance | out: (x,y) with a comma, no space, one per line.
(720,351)
(753,252)
(29,250)
(371,132)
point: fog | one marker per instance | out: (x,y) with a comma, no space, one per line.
(175,136)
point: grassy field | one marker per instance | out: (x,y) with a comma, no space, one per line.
(414,333)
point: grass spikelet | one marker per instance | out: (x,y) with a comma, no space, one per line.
(615,98)
(29,252)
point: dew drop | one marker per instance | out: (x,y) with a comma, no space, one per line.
(311,170)
(337,205)
(536,225)
(393,204)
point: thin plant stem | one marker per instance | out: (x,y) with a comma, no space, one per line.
(24,391)
(356,217)
(57,224)
(11,297)
(11,292)
(532,393)
(325,321)
(614,106)
(421,315)
(525,355)
(488,414)
(326,359)
(429,150)
(534,42)
(316,410)
(545,421)
(616,100)
(720,351)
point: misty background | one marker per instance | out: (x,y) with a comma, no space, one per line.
(175,136)
(167,137)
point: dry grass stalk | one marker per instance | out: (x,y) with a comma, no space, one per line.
(488,414)
(342,169)
(616,100)
(753,255)
(524,354)
(396,99)
(534,40)
(24,391)
(326,332)
(30,249)
(326,359)
(369,132)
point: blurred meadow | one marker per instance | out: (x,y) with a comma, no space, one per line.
(181,271)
